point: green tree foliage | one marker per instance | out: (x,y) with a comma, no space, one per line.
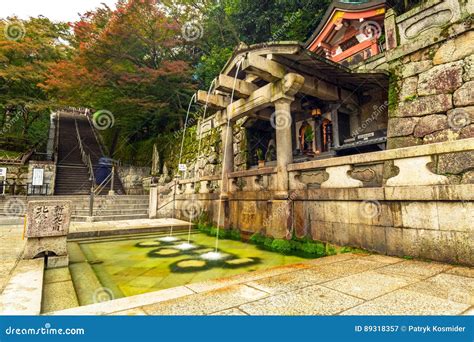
(27,49)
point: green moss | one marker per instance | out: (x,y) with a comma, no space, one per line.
(257,239)
(314,248)
(393,91)
(235,235)
(267,243)
(410,98)
(281,246)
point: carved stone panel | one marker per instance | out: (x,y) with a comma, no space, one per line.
(48,218)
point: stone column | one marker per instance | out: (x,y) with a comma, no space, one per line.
(390,29)
(284,145)
(153,201)
(227,156)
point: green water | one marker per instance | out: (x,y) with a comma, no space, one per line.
(131,266)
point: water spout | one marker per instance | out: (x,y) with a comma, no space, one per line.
(239,64)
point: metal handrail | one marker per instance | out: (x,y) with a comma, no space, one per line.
(102,185)
(86,158)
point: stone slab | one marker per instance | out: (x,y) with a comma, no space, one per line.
(312,300)
(59,296)
(207,302)
(291,281)
(447,286)
(369,285)
(230,312)
(404,302)
(244,277)
(124,304)
(414,268)
(23,292)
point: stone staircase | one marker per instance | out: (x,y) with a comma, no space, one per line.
(72,175)
(106,208)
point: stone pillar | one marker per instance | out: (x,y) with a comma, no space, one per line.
(284,145)
(153,201)
(227,156)
(391,39)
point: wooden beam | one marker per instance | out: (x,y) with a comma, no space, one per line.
(243,89)
(215,101)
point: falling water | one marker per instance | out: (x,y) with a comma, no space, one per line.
(172,238)
(188,245)
(216,255)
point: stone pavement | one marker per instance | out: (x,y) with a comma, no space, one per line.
(345,284)
(11,247)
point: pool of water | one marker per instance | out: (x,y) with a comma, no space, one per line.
(133,266)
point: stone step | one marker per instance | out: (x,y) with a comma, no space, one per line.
(109,212)
(109,217)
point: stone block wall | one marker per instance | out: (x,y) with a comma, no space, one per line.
(431,93)
(133,179)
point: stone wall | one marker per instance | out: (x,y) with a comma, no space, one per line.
(430,58)
(133,179)
(405,202)
(209,161)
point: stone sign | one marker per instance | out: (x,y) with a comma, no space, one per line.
(48,218)
(47,226)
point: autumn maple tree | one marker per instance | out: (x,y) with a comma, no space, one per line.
(129,61)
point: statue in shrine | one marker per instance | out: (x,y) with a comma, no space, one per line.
(306,136)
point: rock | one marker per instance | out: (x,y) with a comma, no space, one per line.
(420,55)
(468,74)
(467,132)
(464,96)
(440,136)
(424,105)
(403,142)
(441,79)
(468,178)
(460,117)
(408,88)
(415,68)
(455,49)
(399,127)
(429,124)
(455,163)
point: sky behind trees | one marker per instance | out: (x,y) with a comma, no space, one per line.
(56,10)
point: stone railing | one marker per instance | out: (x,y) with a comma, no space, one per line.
(262,179)
(410,166)
(424,24)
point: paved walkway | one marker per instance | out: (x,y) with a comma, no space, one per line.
(11,247)
(345,284)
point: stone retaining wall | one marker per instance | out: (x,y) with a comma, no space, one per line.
(394,202)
